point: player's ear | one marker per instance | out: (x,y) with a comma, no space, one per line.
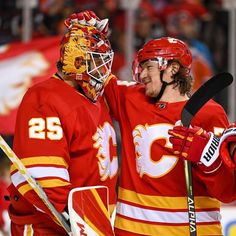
(174,67)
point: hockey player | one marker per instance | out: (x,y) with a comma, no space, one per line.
(152,192)
(205,148)
(151,108)
(64,134)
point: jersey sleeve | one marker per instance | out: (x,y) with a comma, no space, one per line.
(41,142)
(3,204)
(115,91)
(220,183)
(227,150)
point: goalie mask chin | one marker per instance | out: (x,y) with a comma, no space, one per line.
(86,57)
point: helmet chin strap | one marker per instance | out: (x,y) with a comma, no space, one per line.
(163,87)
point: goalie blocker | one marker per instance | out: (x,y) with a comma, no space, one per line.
(206,149)
(88,211)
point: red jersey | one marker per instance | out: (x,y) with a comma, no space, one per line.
(3,203)
(152,189)
(65,141)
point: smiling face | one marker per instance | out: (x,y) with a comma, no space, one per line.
(150,77)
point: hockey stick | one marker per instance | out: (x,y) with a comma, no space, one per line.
(207,91)
(33,183)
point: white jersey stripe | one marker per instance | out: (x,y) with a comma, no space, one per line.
(41,172)
(164,216)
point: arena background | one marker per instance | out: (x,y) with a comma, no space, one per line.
(30,32)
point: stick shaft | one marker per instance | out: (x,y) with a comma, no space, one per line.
(207,91)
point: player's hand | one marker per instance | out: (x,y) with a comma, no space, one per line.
(228,146)
(188,143)
(88,18)
(196,145)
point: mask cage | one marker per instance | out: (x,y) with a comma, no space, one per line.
(99,65)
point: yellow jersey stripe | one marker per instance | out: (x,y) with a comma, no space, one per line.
(42,160)
(51,183)
(158,229)
(163,202)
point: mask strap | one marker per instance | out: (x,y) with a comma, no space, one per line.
(163,87)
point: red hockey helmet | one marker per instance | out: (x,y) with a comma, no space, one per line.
(168,49)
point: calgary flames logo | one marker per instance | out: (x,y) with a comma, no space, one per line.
(108,166)
(16,78)
(144,137)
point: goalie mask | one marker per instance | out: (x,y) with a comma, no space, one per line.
(162,51)
(86,57)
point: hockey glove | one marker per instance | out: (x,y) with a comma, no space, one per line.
(88,18)
(228,146)
(196,145)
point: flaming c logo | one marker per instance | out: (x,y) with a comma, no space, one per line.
(17,74)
